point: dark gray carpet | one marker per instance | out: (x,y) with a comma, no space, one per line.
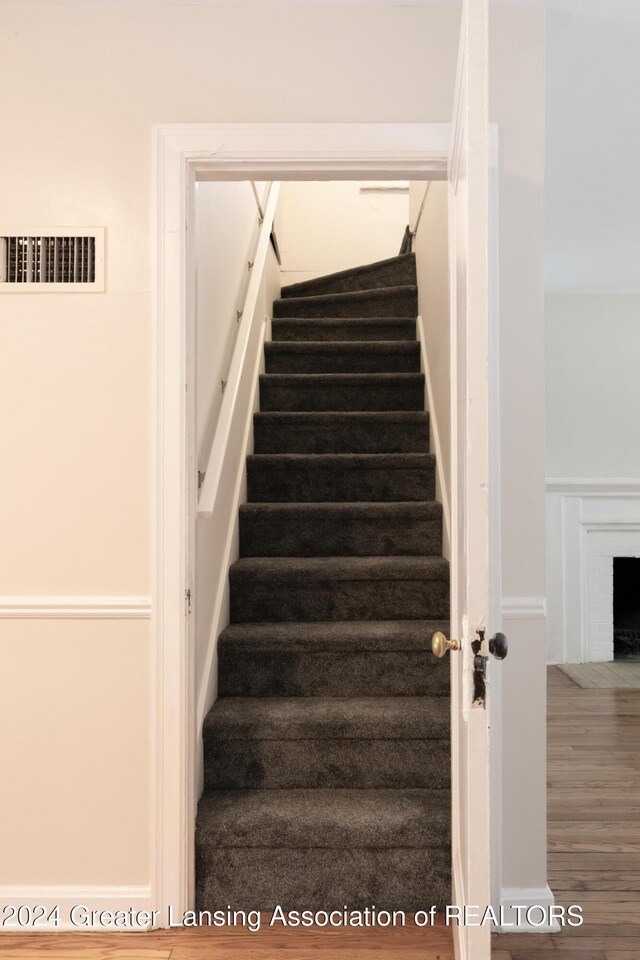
(393,272)
(343,329)
(400,301)
(356,356)
(340,477)
(326,755)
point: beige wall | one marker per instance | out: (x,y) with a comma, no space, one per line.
(75,369)
(75,752)
(327,226)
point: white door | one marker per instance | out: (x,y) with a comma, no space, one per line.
(469,268)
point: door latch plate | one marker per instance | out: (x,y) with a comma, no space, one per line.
(479,671)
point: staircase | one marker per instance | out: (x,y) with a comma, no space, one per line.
(326,756)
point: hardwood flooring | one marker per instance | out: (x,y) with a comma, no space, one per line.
(594,860)
(594,824)
(353,944)
(619,674)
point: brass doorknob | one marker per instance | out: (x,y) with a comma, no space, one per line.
(440,644)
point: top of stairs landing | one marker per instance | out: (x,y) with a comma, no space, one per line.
(396,271)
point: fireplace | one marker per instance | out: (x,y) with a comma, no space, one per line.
(626,608)
(590,523)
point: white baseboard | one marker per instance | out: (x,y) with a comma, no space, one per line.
(59,908)
(526,897)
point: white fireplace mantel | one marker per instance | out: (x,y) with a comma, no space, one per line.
(589,522)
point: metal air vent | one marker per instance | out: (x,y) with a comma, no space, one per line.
(52,260)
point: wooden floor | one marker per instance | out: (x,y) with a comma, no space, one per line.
(594,825)
(613,676)
(353,944)
(594,860)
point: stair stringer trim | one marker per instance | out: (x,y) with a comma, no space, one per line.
(208,680)
(442,494)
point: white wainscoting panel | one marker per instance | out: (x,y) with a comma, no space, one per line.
(589,522)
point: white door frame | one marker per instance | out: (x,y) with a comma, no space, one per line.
(182,154)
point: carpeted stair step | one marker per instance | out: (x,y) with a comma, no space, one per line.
(309,742)
(324,818)
(341,391)
(259,878)
(344,330)
(393,272)
(340,529)
(362,432)
(338,357)
(400,301)
(308,478)
(339,659)
(320,849)
(278,589)
(253,878)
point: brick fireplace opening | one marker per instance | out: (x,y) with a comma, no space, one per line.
(604,546)
(589,525)
(626,608)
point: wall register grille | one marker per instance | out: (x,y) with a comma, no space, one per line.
(59,259)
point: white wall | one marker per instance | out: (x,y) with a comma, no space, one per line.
(592,237)
(593,387)
(227,225)
(327,226)
(76,460)
(432,262)
(517,104)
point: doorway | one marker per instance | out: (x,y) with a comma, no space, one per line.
(183,156)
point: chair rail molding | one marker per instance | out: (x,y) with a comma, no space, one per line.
(62,607)
(589,521)
(524,608)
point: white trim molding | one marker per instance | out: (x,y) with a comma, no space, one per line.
(74,908)
(589,521)
(529,897)
(60,607)
(524,608)
(435,446)
(594,486)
